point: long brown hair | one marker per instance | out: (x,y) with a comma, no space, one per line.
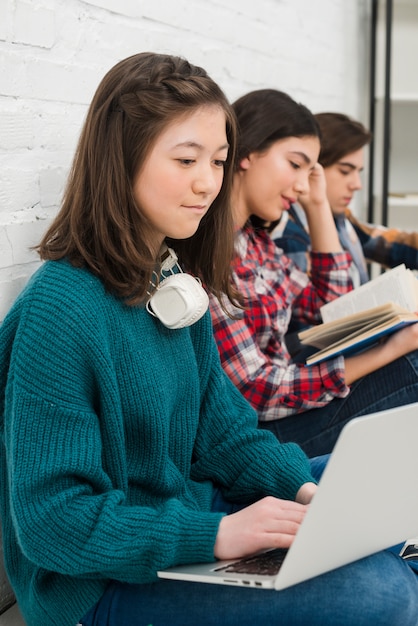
(99,225)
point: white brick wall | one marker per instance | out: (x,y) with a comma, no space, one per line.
(53,53)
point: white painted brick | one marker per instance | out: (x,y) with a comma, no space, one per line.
(34,25)
(16,129)
(11,287)
(6,250)
(6,19)
(50,80)
(19,184)
(42,79)
(56,128)
(17,239)
(12,72)
(51,184)
(26,125)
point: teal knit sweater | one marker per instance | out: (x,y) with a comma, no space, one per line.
(114,430)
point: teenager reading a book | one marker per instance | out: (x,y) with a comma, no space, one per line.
(124,444)
(276,164)
(343,140)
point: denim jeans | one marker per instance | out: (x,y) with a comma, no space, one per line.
(317,430)
(380,590)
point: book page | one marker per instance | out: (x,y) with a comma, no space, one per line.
(326,334)
(360,341)
(398,285)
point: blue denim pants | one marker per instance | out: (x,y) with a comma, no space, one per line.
(380,590)
(317,430)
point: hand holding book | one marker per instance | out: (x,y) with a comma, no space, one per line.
(364,316)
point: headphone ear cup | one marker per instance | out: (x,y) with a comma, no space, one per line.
(179,301)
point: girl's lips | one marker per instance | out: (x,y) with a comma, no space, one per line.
(287,202)
(198,208)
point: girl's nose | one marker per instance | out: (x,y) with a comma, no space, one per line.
(206,180)
(355,181)
(301,184)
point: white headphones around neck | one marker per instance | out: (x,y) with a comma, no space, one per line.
(179,300)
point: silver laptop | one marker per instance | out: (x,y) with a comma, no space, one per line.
(366,501)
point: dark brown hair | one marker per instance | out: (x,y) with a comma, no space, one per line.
(99,225)
(265,116)
(340,135)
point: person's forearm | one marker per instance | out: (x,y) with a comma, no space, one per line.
(397,345)
(322,230)
(362,364)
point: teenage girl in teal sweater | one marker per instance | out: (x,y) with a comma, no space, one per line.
(119,431)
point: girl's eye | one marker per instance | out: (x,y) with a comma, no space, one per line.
(345,172)
(186,161)
(295,166)
(219,163)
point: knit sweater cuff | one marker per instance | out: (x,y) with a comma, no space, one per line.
(199,532)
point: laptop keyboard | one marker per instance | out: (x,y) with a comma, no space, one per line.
(266,564)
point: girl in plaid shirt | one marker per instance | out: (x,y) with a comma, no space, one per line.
(276,166)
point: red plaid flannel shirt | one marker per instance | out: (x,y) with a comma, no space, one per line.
(252,348)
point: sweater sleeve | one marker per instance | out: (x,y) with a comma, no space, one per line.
(69,501)
(60,490)
(387,246)
(245,461)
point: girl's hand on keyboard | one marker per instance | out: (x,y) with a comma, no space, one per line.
(268,523)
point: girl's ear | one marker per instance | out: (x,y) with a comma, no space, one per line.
(244,164)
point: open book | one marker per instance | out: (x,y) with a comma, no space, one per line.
(363,316)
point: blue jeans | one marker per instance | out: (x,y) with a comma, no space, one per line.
(380,590)
(317,430)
